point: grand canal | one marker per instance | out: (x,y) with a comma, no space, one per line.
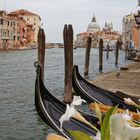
(18,117)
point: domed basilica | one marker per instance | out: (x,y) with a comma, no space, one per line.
(94,31)
(93,27)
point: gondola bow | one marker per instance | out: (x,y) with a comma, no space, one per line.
(50,109)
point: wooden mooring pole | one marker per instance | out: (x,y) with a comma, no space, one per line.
(101,54)
(41,50)
(126,51)
(107,52)
(87,56)
(68,55)
(117,52)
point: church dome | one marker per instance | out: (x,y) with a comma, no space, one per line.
(93,26)
(108,26)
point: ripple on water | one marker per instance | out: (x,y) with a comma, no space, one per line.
(18,117)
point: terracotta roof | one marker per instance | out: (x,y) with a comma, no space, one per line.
(13,18)
(23,12)
(83,33)
(14,14)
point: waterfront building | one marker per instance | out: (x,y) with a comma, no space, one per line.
(30,34)
(93,27)
(94,31)
(18,29)
(25,31)
(31,19)
(129,31)
(13,32)
(81,39)
(8,30)
(22,28)
(108,27)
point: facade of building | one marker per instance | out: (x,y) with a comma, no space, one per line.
(81,39)
(18,29)
(30,34)
(31,19)
(22,28)
(94,31)
(129,31)
(8,30)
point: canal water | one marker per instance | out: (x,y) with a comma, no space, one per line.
(18,117)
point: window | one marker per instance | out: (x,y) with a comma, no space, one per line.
(14,30)
(14,37)
(14,23)
(1,21)
(11,33)
(4,34)
(18,38)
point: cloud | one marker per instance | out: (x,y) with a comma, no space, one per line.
(56,13)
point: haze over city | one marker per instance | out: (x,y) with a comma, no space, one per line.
(55,14)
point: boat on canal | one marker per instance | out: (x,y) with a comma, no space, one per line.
(93,93)
(50,109)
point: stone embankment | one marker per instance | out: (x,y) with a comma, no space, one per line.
(126,80)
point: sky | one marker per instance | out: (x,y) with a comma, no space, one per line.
(56,13)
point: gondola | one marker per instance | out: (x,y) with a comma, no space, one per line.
(50,109)
(93,93)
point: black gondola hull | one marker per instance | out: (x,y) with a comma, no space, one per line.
(51,109)
(92,93)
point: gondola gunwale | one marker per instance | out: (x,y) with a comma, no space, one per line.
(79,90)
(63,105)
(89,96)
(75,80)
(55,127)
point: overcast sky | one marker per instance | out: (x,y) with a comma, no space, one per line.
(56,13)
